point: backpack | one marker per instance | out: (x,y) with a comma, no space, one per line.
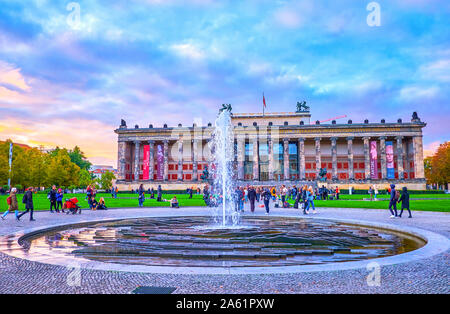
(24,199)
(9,200)
(397,194)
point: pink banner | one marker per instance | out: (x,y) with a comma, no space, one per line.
(160,162)
(146,165)
(373,160)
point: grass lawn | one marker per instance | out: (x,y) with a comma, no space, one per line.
(123,200)
(362,196)
(425,205)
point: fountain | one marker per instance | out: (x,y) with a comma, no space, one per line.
(223,155)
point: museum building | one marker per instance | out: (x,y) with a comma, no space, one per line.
(274,149)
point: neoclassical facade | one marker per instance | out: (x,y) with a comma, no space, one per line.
(276,148)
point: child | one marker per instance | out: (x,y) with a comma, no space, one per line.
(405,202)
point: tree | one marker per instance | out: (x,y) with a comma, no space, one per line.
(106,180)
(78,158)
(61,170)
(84,178)
(437,168)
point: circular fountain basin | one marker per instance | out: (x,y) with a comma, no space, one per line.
(193,242)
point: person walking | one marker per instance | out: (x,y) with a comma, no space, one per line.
(141,197)
(159,194)
(310,201)
(59,198)
(371,191)
(13,205)
(191,191)
(52,198)
(266,196)
(283,193)
(405,202)
(337,192)
(393,201)
(28,201)
(252,198)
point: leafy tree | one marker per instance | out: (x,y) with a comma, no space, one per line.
(78,157)
(106,180)
(61,170)
(437,168)
(84,178)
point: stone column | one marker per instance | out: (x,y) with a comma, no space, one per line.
(367,157)
(121,160)
(240,156)
(419,171)
(301,159)
(152,160)
(351,172)
(137,158)
(270,151)
(255,160)
(286,158)
(194,160)
(318,157)
(334,157)
(400,169)
(166,160)
(180,160)
(383,157)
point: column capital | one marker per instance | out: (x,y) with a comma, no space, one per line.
(399,138)
(350,138)
(366,138)
(151,142)
(285,139)
(317,139)
(383,138)
(333,139)
(301,139)
(166,141)
(137,142)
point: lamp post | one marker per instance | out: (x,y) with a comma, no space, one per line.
(10,163)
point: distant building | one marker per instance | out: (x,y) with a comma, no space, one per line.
(98,170)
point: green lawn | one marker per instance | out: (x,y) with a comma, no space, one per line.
(123,200)
(362,196)
(425,205)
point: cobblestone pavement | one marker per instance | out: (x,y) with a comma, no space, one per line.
(428,275)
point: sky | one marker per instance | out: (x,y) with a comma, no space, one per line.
(69,71)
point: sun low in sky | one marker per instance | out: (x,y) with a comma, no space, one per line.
(69,71)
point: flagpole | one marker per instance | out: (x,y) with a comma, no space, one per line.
(263,104)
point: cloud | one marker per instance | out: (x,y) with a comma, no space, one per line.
(11,76)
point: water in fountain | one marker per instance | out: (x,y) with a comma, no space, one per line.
(223,155)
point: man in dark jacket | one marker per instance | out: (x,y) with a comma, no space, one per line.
(405,202)
(252,198)
(393,202)
(159,194)
(52,198)
(28,201)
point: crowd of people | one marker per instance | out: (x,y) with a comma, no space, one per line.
(302,198)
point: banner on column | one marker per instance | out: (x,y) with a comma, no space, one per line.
(390,160)
(146,165)
(160,162)
(373,160)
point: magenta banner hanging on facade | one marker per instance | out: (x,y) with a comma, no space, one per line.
(160,162)
(373,160)
(146,165)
